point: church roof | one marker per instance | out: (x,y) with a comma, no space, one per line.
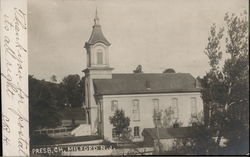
(97,35)
(143,83)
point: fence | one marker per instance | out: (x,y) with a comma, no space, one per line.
(55,131)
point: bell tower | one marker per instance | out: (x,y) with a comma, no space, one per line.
(97,48)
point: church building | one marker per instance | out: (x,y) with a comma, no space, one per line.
(140,95)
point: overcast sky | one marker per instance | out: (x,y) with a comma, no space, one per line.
(157,34)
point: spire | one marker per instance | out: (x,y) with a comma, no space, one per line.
(97,35)
(96,19)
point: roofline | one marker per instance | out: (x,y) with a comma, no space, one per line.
(99,41)
(161,92)
(97,68)
(151,73)
(87,44)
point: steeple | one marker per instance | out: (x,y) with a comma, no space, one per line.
(97,48)
(96,19)
(97,35)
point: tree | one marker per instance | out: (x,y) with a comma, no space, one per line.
(169,70)
(46,99)
(199,142)
(42,105)
(53,78)
(120,123)
(225,89)
(82,89)
(138,69)
(157,118)
(74,89)
(164,118)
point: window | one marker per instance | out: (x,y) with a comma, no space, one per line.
(50,131)
(174,107)
(176,125)
(136,110)
(193,107)
(99,57)
(114,134)
(156,104)
(157,114)
(114,105)
(56,131)
(136,131)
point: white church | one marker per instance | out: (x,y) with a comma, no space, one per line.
(138,94)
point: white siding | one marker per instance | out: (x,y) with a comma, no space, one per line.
(147,107)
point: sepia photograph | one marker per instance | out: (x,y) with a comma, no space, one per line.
(129,77)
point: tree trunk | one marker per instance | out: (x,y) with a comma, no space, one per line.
(219,136)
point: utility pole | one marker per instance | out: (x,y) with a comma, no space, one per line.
(158,138)
(157,130)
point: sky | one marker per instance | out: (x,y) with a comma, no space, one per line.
(157,34)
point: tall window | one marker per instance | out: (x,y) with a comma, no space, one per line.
(114,105)
(114,134)
(193,107)
(99,57)
(174,108)
(136,131)
(156,104)
(136,110)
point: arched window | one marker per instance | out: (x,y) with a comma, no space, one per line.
(156,104)
(136,131)
(136,110)
(193,107)
(99,56)
(174,107)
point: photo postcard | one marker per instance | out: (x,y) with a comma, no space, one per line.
(127,77)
